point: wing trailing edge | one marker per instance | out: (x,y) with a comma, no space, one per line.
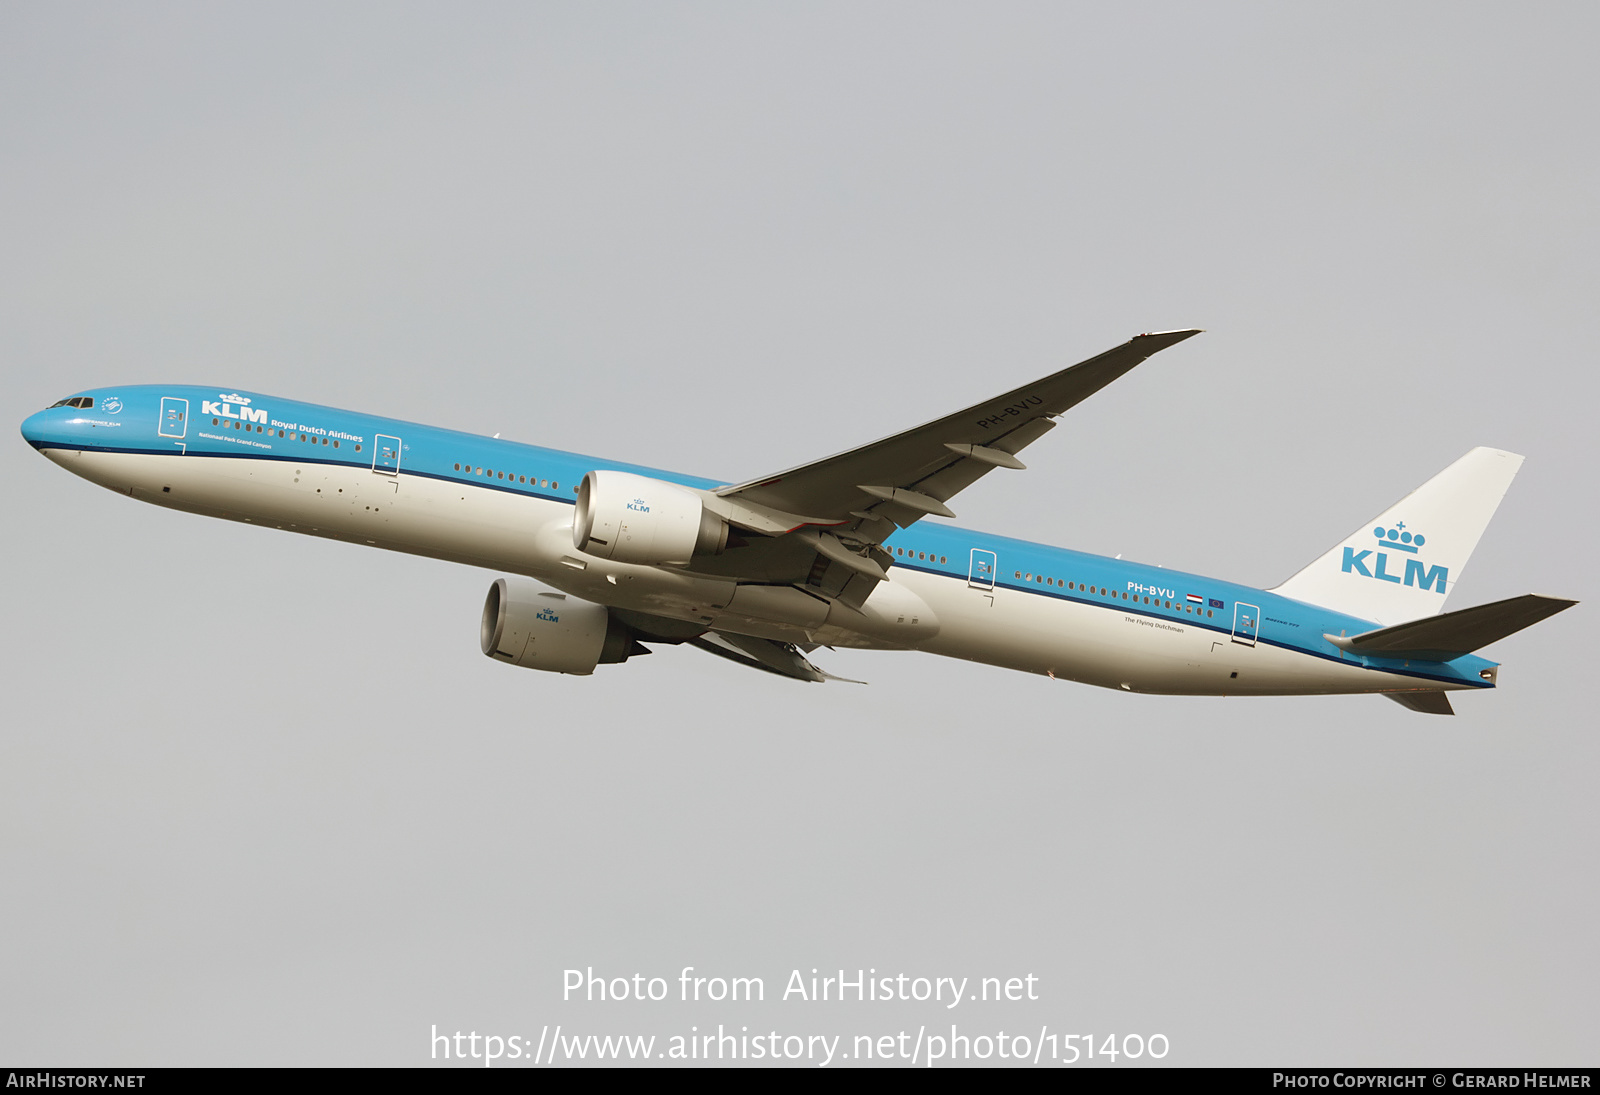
(784,659)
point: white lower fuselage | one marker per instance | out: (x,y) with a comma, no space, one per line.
(1102,644)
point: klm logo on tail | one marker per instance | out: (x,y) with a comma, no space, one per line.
(1400,540)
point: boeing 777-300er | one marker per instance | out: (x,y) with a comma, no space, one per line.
(837,552)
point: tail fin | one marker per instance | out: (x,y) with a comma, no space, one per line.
(1403,563)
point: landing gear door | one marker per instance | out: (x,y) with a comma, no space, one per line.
(1246,623)
(980,573)
(386,454)
(174,420)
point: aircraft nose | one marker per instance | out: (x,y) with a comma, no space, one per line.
(34,428)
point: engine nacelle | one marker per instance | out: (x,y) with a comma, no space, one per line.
(633,519)
(537,628)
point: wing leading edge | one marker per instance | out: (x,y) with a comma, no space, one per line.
(855,500)
(936,460)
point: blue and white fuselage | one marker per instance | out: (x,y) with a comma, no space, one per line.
(510,507)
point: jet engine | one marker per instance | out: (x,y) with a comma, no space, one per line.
(633,519)
(537,628)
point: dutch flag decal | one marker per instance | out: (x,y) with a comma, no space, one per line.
(1196,600)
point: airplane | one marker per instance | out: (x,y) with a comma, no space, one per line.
(605,559)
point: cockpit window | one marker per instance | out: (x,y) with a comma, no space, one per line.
(82,402)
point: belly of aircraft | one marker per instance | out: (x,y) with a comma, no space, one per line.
(1108,646)
(1099,644)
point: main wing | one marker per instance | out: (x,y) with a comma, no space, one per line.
(822,523)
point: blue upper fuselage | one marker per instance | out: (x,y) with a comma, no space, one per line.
(227,423)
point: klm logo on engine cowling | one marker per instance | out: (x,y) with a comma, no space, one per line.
(225,408)
(549,615)
(1403,542)
(638,506)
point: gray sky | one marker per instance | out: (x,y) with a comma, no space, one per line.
(263,801)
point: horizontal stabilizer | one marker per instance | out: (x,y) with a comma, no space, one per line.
(1452,634)
(1431,702)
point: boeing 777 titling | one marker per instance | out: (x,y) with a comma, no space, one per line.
(608,558)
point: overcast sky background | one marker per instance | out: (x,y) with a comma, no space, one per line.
(263,801)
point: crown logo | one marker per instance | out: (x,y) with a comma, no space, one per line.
(1399,538)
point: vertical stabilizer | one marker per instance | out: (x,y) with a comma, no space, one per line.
(1402,564)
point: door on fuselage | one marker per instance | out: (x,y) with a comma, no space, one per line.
(386,454)
(1246,623)
(981,570)
(174,421)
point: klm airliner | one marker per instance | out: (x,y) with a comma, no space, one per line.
(607,559)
